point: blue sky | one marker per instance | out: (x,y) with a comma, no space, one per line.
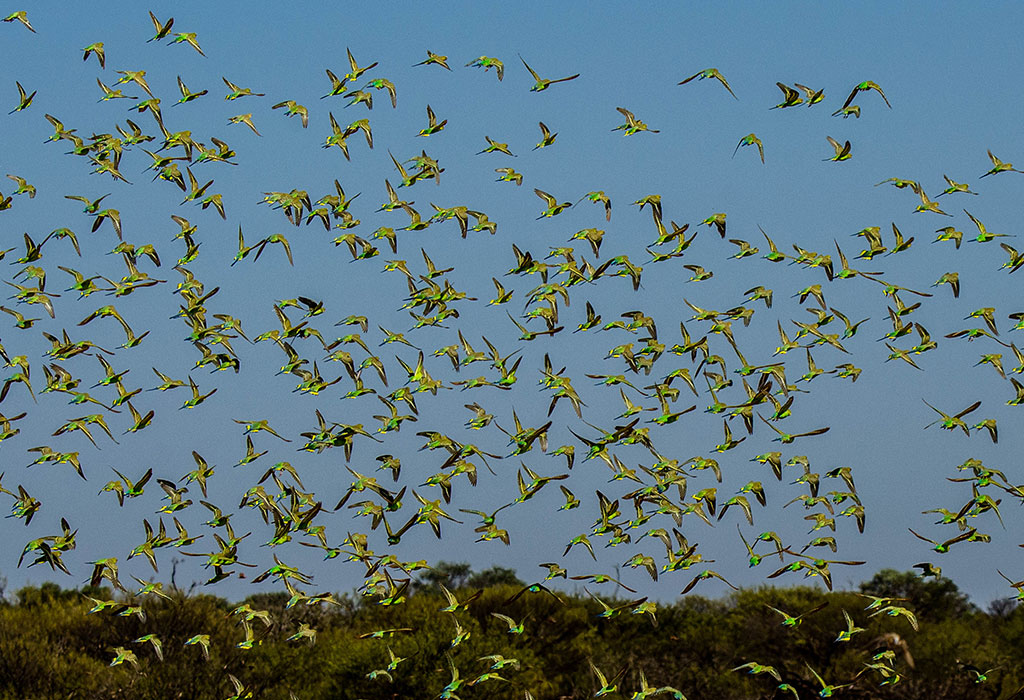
(944,67)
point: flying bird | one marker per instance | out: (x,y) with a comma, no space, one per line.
(434,59)
(863,87)
(710,73)
(20,16)
(547,139)
(544,83)
(842,151)
(24,100)
(486,62)
(632,125)
(999,166)
(750,140)
(97,49)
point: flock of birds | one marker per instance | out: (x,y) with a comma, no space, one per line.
(653,503)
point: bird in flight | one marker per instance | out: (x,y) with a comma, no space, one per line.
(750,140)
(710,73)
(96,48)
(486,62)
(863,87)
(547,138)
(24,100)
(842,150)
(999,166)
(433,126)
(20,16)
(434,59)
(540,83)
(790,97)
(632,125)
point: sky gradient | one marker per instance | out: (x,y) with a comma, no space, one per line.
(945,69)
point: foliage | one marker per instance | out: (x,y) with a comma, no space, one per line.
(934,598)
(50,646)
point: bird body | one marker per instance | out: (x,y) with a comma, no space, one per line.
(542,84)
(486,62)
(710,73)
(751,140)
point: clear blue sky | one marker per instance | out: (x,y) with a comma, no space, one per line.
(946,68)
